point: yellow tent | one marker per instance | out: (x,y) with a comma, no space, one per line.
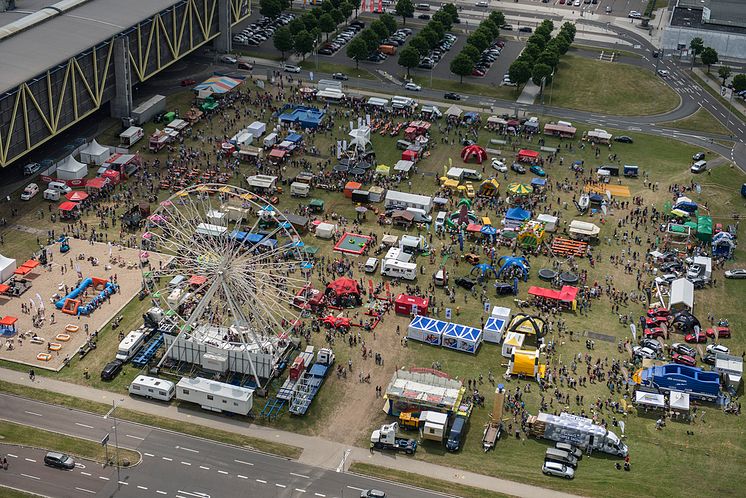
(451,184)
(524,362)
(382,169)
(489,187)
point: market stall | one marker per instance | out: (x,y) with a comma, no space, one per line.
(427,330)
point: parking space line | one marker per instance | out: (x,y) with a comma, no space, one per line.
(261,481)
(142,487)
(280,485)
(30,477)
(86,490)
(85,473)
(222,472)
(103,478)
(30,460)
(299,475)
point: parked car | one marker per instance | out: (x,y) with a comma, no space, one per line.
(698,156)
(289,68)
(696,338)
(671,267)
(59,460)
(654,332)
(642,352)
(718,332)
(412,86)
(228,59)
(499,165)
(518,168)
(188,82)
(111,369)
(538,170)
(340,76)
(466,283)
(623,139)
(685,349)
(647,342)
(683,359)
(372,493)
(507,27)
(655,321)
(735,273)
(709,358)
(452,96)
(717,348)
(424,17)
(571,449)
(633,14)
(658,311)
(245,66)
(29,192)
(525,29)
(558,470)
(663,73)
(504,289)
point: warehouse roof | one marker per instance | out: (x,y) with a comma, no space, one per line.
(53,41)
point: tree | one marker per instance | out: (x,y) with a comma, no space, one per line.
(532,51)
(296,25)
(497,17)
(336,3)
(452,11)
(547,24)
(389,21)
(327,24)
(437,27)
(544,32)
(431,36)
(471,52)
(270,8)
(562,42)
(357,49)
(404,8)
(346,8)
(326,6)
(443,18)
(569,29)
(492,28)
(697,45)
(478,40)
(739,82)
(420,44)
(724,72)
(519,72)
(370,38)
(541,71)
(550,57)
(538,40)
(310,22)
(304,42)
(283,40)
(709,57)
(337,15)
(462,66)
(379,29)
(409,57)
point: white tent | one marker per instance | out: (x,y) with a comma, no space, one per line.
(454,111)
(493,329)
(550,222)
(7,267)
(682,295)
(427,330)
(678,401)
(360,137)
(403,166)
(94,153)
(70,169)
(324,230)
(462,338)
(513,341)
(652,400)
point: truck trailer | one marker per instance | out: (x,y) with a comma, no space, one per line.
(385,439)
(578,431)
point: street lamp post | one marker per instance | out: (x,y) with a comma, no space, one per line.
(116,441)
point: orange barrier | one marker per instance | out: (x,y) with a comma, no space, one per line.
(71,306)
(62,337)
(71,328)
(43,356)
(99,283)
(55,346)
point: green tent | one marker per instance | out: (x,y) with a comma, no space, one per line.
(704,228)
(316,205)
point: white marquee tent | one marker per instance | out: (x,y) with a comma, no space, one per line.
(94,153)
(7,267)
(70,169)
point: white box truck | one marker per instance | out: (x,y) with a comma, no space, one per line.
(578,431)
(130,136)
(398,269)
(215,396)
(298,189)
(130,345)
(153,387)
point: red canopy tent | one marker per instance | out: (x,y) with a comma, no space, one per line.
(404,304)
(22,270)
(473,227)
(409,155)
(4,288)
(31,263)
(343,291)
(97,183)
(474,151)
(277,154)
(197,280)
(8,321)
(567,294)
(68,206)
(114,177)
(76,196)
(528,156)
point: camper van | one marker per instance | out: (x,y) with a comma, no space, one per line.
(371,265)
(270,140)
(215,396)
(51,194)
(420,216)
(60,187)
(298,189)
(130,345)
(153,387)
(398,269)
(398,102)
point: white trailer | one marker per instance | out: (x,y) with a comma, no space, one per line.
(578,431)
(153,387)
(403,200)
(398,269)
(130,345)
(215,396)
(131,136)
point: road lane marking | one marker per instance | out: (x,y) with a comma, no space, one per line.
(356,489)
(319,494)
(261,481)
(33,413)
(86,490)
(186,463)
(300,490)
(241,477)
(135,437)
(280,485)
(30,460)
(85,473)
(84,425)
(148,454)
(123,483)
(187,449)
(30,477)
(161,492)
(142,487)
(204,468)
(245,463)
(11,455)
(103,478)
(168,459)
(299,475)
(222,472)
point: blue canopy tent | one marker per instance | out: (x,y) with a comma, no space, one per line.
(238,235)
(462,338)
(254,238)
(520,263)
(471,116)
(484,270)
(294,138)
(517,214)
(539,182)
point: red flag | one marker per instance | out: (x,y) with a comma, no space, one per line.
(380,5)
(372,5)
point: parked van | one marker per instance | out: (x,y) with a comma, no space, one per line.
(51,194)
(60,187)
(560,456)
(572,450)
(31,168)
(470,174)
(440,220)
(456,435)
(371,265)
(699,167)
(398,269)
(440,279)
(30,191)
(298,189)
(130,345)
(420,216)
(387,49)
(403,144)
(153,387)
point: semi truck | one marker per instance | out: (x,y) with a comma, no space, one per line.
(578,431)
(385,439)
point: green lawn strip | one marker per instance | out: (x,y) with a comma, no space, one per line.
(590,48)
(702,120)
(609,88)
(717,95)
(152,420)
(330,68)
(24,435)
(422,481)
(7,492)
(468,86)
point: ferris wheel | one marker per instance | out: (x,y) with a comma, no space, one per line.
(236,266)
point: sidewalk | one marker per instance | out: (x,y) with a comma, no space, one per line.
(317,452)
(737,105)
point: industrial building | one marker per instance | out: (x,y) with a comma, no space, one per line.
(65,61)
(721,24)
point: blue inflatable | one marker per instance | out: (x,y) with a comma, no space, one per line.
(519,262)
(88,308)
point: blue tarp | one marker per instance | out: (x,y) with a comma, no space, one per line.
(539,181)
(294,138)
(516,213)
(269,243)
(239,235)
(254,238)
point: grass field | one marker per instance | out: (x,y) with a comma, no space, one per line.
(14,493)
(609,88)
(24,435)
(470,85)
(346,411)
(330,68)
(702,120)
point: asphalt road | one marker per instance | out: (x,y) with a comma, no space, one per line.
(172,464)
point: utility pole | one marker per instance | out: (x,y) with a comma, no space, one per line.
(116,444)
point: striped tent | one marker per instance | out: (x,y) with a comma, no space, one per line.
(218,84)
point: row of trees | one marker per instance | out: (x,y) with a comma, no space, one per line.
(303,33)
(541,55)
(487,32)
(709,56)
(429,37)
(370,38)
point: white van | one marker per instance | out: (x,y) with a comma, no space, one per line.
(440,220)
(270,140)
(153,387)
(51,194)
(371,265)
(471,174)
(298,189)
(420,216)
(398,269)
(440,278)
(130,345)
(60,187)
(699,167)
(30,191)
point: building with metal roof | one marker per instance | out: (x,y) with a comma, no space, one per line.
(721,24)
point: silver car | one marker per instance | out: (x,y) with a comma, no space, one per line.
(736,273)
(558,469)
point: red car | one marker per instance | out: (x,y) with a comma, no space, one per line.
(655,332)
(718,332)
(701,338)
(188,82)
(340,323)
(654,312)
(477,72)
(655,321)
(684,359)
